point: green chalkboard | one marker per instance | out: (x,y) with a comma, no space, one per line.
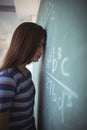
(63,79)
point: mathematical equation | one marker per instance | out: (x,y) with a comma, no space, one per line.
(65,99)
(54,58)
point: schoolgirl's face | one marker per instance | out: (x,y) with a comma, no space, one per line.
(39,51)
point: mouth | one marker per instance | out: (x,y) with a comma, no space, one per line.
(39,56)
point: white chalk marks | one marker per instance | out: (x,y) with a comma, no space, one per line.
(61,94)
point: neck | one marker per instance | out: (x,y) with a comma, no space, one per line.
(22,69)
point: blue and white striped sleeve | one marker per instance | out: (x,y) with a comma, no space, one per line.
(7,92)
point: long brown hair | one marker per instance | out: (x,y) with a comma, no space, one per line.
(24,44)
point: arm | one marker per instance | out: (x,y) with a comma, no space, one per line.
(7,92)
(4,120)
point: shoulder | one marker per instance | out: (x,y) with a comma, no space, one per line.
(6,76)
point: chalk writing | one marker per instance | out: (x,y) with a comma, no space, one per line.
(65,87)
(49,12)
(62,67)
(53,60)
(52,84)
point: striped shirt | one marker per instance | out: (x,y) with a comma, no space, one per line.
(17,94)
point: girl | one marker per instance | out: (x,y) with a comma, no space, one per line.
(17,90)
